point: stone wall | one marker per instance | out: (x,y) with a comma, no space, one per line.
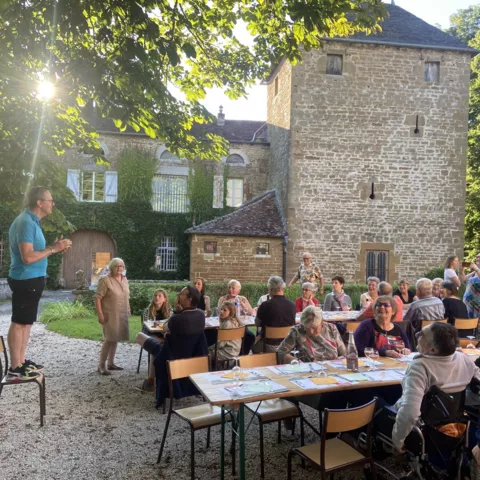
(278,118)
(359,128)
(235,258)
(254,173)
(5,291)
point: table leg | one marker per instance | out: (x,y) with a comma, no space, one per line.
(241,439)
(222,443)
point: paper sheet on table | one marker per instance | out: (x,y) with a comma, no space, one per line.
(226,377)
(382,375)
(354,377)
(471,352)
(324,380)
(212,322)
(307,383)
(361,363)
(288,369)
(407,358)
(254,389)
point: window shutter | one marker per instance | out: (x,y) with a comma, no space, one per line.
(73,182)
(111,186)
(218,191)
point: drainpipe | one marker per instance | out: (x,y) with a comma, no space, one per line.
(284,263)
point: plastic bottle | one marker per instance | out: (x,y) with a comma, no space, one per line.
(237,306)
(352,354)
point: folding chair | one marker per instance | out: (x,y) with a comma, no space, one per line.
(199,416)
(274,410)
(226,335)
(335,454)
(275,333)
(469,324)
(40,380)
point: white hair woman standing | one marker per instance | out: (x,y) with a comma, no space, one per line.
(112,302)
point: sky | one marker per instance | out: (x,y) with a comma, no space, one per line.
(255,106)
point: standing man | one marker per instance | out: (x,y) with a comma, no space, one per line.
(26,277)
(308,272)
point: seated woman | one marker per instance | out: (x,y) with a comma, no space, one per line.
(184,338)
(436,287)
(313,338)
(337,299)
(228,319)
(369,297)
(242,306)
(381,333)
(454,307)
(405,295)
(384,288)
(159,309)
(204,303)
(307,299)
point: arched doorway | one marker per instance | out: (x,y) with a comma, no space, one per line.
(89,250)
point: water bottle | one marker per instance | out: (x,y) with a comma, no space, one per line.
(352,354)
(237,307)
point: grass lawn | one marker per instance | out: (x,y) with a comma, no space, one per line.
(88,327)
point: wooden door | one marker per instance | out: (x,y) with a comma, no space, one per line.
(85,246)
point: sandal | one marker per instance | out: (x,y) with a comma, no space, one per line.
(103,371)
(114,367)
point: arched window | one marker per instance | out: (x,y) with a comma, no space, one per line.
(235,159)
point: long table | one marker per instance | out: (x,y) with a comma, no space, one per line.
(216,394)
(249,321)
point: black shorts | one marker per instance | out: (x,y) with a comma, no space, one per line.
(25,299)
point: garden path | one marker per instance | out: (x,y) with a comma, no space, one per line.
(102,427)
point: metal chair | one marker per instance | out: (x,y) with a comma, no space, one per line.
(334,454)
(275,333)
(274,410)
(227,335)
(466,324)
(199,416)
(40,380)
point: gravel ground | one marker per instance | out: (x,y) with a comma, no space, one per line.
(100,427)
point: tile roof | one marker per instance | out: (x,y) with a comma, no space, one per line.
(235,131)
(261,216)
(402,28)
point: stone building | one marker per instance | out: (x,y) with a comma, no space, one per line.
(365,143)
(368,139)
(247,244)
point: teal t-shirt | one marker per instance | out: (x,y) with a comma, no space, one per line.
(26,229)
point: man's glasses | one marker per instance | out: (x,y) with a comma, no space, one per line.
(381,304)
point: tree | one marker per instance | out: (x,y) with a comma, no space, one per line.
(126,57)
(465,24)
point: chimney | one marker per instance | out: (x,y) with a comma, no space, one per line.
(220,117)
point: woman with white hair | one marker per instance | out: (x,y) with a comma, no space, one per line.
(241,303)
(112,302)
(308,272)
(307,299)
(313,338)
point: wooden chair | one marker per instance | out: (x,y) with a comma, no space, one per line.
(227,335)
(352,326)
(269,411)
(40,380)
(425,323)
(275,333)
(199,416)
(466,324)
(334,454)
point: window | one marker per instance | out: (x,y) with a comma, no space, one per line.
(234,192)
(263,248)
(432,72)
(275,86)
(235,159)
(334,64)
(166,259)
(93,186)
(170,157)
(218,189)
(170,193)
(210,247)
(377,265)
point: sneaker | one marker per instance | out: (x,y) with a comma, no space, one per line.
(21,373)
(32,366)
